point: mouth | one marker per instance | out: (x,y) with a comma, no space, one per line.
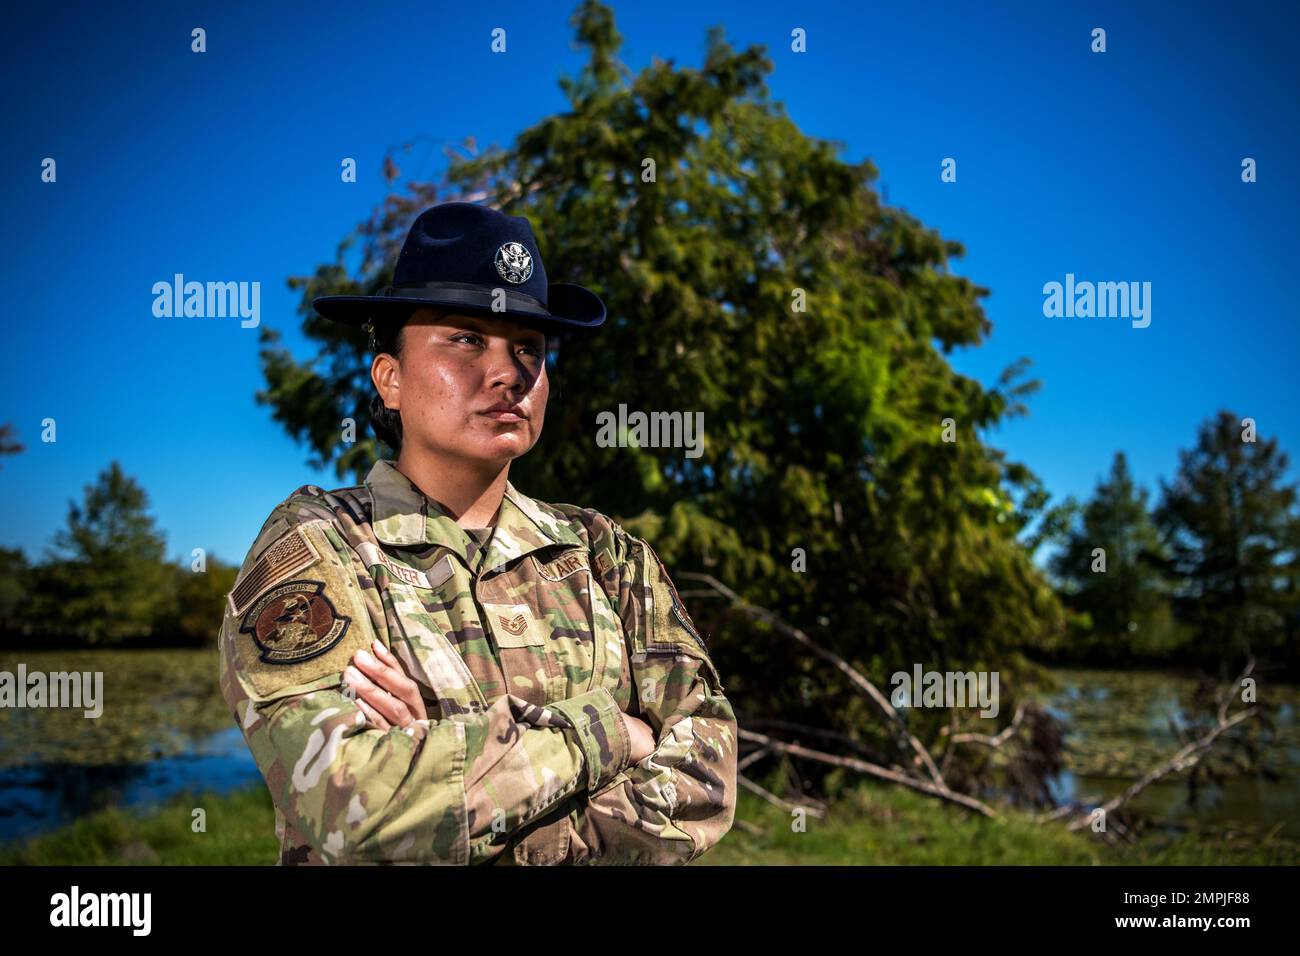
(505,413)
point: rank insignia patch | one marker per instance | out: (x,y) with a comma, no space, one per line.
(294,622)
(515,625)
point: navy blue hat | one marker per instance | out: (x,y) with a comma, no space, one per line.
(456,256)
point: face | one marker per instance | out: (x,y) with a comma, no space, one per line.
(468,386)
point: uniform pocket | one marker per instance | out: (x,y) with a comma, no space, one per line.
(538,611)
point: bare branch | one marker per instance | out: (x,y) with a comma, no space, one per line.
(989,741)
(855,677)
(1186,757)
(757,755)
(851,763)
(777,801)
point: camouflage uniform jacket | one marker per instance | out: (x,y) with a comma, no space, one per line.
(523,666)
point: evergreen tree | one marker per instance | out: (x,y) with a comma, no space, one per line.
(1119,587)
(104,579)
(753,276)
(1230,523)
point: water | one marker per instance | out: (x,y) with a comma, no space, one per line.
(1121,724)
(37,798)
(164,730)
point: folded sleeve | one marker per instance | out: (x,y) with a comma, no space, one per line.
(439,791)
(680,800)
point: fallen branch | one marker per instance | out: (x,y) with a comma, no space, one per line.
(773,799)
(852,763)
(989,741)
(745,761)
(855,677)
(760,722)
(1186,757)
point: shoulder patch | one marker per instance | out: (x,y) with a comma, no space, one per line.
(301,614)
(289,555)
(294,622)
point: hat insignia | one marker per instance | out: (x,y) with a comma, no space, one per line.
(513,262)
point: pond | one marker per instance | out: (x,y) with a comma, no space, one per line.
(165,729)
(1122,724)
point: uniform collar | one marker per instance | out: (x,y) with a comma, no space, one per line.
(404,516)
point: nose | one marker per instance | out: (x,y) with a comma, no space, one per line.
(505,369)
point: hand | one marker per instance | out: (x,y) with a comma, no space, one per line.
(643,738)
(385,694)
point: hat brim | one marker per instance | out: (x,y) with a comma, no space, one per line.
(570,307)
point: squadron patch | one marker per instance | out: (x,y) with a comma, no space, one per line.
(294,622)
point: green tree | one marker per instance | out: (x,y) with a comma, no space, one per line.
(1125,607)
(1230,523)
(753,276)
(194,617)
(104,579)
(15,579)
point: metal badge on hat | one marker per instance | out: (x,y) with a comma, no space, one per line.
(514,262)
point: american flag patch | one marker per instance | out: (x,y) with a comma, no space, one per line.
(289,555)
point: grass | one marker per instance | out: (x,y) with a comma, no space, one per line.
(867,825)
(240,829)
(879,825)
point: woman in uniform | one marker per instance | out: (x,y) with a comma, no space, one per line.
(433,667)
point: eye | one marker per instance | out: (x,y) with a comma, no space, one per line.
(531,350)
(470,337)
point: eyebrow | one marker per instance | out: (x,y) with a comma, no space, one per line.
(476,323)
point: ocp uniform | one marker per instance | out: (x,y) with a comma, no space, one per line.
(524,658)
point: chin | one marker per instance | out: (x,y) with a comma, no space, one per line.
(501,450)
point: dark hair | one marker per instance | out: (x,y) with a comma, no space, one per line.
(389,336)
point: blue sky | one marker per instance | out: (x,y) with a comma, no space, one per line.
(1123,166)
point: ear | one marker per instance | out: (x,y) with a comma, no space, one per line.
(386,375)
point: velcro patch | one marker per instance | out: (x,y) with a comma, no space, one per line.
(294,622)
(515,625)
(667,605)
(289,555)
(431,579)
(299,629)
